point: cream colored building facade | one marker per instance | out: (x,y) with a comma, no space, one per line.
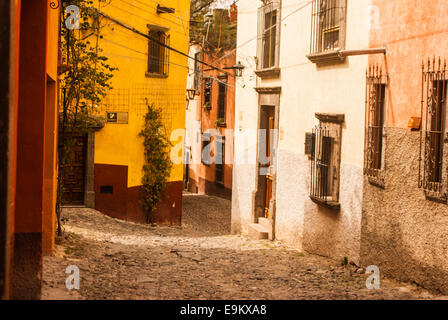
(287,91)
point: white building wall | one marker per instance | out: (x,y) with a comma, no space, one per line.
(306,89)
(246,118)
(192,124)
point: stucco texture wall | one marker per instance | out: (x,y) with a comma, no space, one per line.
(306,89)
(119,143)
(404,234)
(246,118)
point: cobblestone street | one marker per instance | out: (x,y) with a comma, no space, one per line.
(200,260)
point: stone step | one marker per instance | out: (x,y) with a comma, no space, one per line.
(257,231)
(264,222)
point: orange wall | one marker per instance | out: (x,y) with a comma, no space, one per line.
(50,165)
(208,120)
(414,29)
(31,122)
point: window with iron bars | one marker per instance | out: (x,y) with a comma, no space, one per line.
(374,140)
(268,35)
(208,82)
(205,155)
(432,134)
(325,164)
(220,159)
(222,100)
(197,70)
(158,55)
(328,25)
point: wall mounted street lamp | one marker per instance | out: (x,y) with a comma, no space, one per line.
(191,93)
(238,69)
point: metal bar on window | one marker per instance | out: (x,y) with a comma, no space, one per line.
(375,95)
(434,82)
(327,23)
(321,164)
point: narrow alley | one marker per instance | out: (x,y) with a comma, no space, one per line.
(200,260)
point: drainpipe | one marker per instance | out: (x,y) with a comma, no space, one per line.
(346,53)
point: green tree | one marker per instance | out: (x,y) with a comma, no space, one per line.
(198,12)
(84,81)
(211,28)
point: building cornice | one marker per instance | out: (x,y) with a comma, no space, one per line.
(268,90)
(330,117)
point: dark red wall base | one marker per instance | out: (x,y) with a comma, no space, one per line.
(125,203)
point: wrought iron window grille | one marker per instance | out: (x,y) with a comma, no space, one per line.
(324,184)
(374,156)
(328,23)
(222,91)
(205,156)
(208,83)
(433,153)
(158,55)
(268,35)
(220,160)
(197,71)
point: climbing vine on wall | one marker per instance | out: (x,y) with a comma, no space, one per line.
(157,166)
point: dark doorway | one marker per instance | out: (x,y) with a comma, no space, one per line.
(265,148)
(74,171)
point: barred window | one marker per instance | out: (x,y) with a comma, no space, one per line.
(434,87)
(268,35)
(328,25)
(220,159)
(208,82)
(197,70)
(222,100)
(158,54)
(374,140)
(205,154)
(325,160)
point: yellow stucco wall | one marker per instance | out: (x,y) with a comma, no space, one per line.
(119,144)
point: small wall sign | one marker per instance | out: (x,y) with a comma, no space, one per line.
(117,117)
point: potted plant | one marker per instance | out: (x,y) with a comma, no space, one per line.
(207,107)
(220,122)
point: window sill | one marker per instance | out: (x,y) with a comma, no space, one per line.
(377,182)
(332,205)
(338,118)
(436,196)
(375,177)
(273,72)
(155,75)
(326,57)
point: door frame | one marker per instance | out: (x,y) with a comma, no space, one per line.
(96,124)
(267,97)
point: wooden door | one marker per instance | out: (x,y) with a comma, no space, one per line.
(73,172)
(268,195)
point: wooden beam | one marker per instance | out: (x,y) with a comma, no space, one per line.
(346,53)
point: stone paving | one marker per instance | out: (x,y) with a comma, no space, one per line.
(200,260)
